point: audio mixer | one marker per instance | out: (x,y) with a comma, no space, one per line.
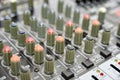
(59,39)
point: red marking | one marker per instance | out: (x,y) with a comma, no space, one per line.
(101,74)
(86,16)
(30,40)
(117,13)
(119,63)
(38,48)
(15,58)
(7,49)
(60,39)
(96,22)
(69,23)
(79,30)
(50,31)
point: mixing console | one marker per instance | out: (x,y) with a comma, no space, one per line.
(59,39)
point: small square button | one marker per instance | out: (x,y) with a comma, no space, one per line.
(87,63)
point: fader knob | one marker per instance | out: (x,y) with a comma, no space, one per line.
(50,37)
(21,38)
(7,53)
(7,21)
(26,17)
(60,45)
(105,36)
(44,11)
(15,65)
(49,65)
(86,21)
(60,6)
(95,28)
(68,10)
(78,36)
(41,29)
(69,29)
(33,23)
(13,6)
(76,16)
(25,73)
(70,54)
(89,44)
(30,44)
(38,54)
(13,30)
(51,17)
(60,23)
(101,15)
